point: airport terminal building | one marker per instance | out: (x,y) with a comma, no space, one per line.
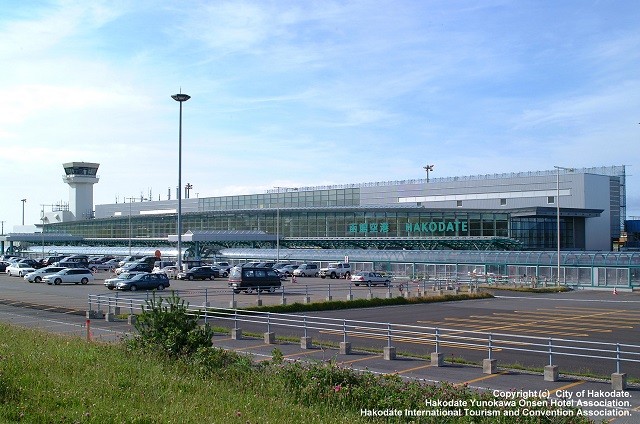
(503,224)
(485,212)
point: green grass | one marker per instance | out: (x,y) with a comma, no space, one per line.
(48,378)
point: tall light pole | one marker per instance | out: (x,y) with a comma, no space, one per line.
(23,202)
(130,199)
(428,168)
(558,168)
(278,220)
(180,98)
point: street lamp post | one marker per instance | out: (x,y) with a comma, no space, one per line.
(278,219)
(428,168)
(130,199)
(23,202)
(180,98)
(558,168)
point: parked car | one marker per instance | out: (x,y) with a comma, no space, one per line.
(147,281)
(37,275)
(20,269)
(307,270)
(70,275)
(158,265)
(109,265)
(200,273)
(250,279)
(50,260)
(3,266)
(130,258)
(111,283)
(76,261)
(224,268)
(134,266)
(31,262)
(170,271)
(265,264)
(104,265)
(369,278)
(287,269)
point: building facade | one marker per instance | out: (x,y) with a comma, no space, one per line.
(497,212)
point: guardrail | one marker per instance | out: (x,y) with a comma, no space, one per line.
(611,354)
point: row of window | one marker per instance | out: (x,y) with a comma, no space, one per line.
(301,224)
(535,233)
(285,199)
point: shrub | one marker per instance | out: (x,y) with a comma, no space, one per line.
(167,326)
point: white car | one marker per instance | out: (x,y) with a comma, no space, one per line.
(37,275)
(170,271)
(18,269)
(70,275)
(368,278)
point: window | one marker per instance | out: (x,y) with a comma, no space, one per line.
(551,200)
(459,203)
(503,202)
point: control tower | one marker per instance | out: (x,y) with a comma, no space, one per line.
(81,176)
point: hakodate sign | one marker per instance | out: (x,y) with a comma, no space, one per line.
(450,227)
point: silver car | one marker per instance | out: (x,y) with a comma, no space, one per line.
(369,278)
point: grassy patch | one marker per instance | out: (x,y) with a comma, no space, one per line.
(365,303)
(48,378)
(560,289)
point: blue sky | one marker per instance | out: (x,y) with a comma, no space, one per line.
(303,93)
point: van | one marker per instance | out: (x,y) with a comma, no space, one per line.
(250,279)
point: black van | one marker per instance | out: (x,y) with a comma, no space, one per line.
(250,279)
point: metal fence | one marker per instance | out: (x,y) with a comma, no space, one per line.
(613,355)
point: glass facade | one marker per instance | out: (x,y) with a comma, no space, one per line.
(287,198)
(540,233)
(312,224)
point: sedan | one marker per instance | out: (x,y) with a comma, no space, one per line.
(155,281)
(370,278)
(200,273)
(109,265)
(20,269)
(37,275)
(111,283)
